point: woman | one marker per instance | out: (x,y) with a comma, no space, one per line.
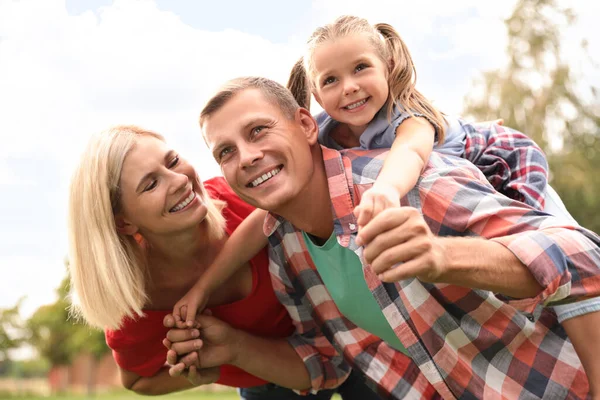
(143,228)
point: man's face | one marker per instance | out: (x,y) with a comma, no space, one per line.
(264,156)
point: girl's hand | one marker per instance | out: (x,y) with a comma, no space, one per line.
(192,303)
(379,197)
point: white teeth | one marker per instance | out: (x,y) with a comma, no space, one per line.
(183,203)
(265,177)
(357,104)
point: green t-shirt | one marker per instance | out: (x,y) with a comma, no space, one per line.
(342,274)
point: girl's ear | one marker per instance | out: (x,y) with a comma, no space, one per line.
(317,98)
(391,64)
(124,227)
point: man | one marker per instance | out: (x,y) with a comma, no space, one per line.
(493,340)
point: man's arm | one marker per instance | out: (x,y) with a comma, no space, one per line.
(456,200)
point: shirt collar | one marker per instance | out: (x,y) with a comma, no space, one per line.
(338,169)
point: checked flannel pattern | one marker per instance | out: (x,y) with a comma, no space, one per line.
(512,162)
(463,343)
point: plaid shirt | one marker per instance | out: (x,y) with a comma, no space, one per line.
(512,162)
(466,343)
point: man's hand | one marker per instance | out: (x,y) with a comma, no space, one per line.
(399,245)
(211,344)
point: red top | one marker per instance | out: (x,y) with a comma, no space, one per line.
(137,346)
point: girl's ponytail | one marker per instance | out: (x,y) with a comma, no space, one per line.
(299,85)
(402,81)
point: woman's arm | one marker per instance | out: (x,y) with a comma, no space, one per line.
(216,343)
(245,242)
(162,382)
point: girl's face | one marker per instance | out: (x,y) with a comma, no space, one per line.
(160,191)
(350,80)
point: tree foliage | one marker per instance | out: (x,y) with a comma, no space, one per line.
(57,337)
(539,92)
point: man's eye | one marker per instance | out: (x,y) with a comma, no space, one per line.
(174,162)
(360,67)
(151,186)
(225,152)
(328,81)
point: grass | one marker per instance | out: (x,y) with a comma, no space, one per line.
(125,395)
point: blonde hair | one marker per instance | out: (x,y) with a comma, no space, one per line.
(392,51)
(109,270)
(275,93)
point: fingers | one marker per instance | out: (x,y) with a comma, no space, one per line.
(182,335)
(167,343)
(192,308)
(169,321)
(410,269)
(385,221)
(187,347)
(189,359)
(176,370)
(402,253)
(364,211)
(172,357)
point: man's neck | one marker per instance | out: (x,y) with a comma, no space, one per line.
(311,210)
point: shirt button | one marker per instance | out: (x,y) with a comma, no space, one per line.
(352,226)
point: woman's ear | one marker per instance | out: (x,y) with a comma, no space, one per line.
(309,125)
(124,227)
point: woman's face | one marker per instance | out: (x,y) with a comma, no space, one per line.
(160,191)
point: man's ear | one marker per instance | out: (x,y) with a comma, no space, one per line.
(309,125)
(124,227)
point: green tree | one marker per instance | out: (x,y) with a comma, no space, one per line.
(539,93)
(58,339)
(11,334)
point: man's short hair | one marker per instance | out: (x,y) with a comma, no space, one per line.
(274,92)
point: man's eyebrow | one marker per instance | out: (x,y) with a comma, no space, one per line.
(168,155)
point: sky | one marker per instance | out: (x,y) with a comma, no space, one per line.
(71,68)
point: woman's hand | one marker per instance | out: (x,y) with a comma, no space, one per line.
(210,344)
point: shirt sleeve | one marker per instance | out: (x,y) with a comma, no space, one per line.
(325,365)
(139,352)
(512,162)
(564,259)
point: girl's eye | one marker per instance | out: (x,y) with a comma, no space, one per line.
(151,186)
(360,67)
(328,81)
(174,162)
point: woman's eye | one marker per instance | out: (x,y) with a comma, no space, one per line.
(328,81)
(151,186)
(360,67)
(174,162)
(257,130)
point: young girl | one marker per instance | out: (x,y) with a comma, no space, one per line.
(364,79)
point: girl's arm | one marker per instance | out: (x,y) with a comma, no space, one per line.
(403,166)
(582,330)
(245,242)
(163,383)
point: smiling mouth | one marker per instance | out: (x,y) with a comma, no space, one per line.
(357,104)
(265,177)
(184,203)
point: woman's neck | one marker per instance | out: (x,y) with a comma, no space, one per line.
(171,257)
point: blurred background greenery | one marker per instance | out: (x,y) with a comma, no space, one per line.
(537,92)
